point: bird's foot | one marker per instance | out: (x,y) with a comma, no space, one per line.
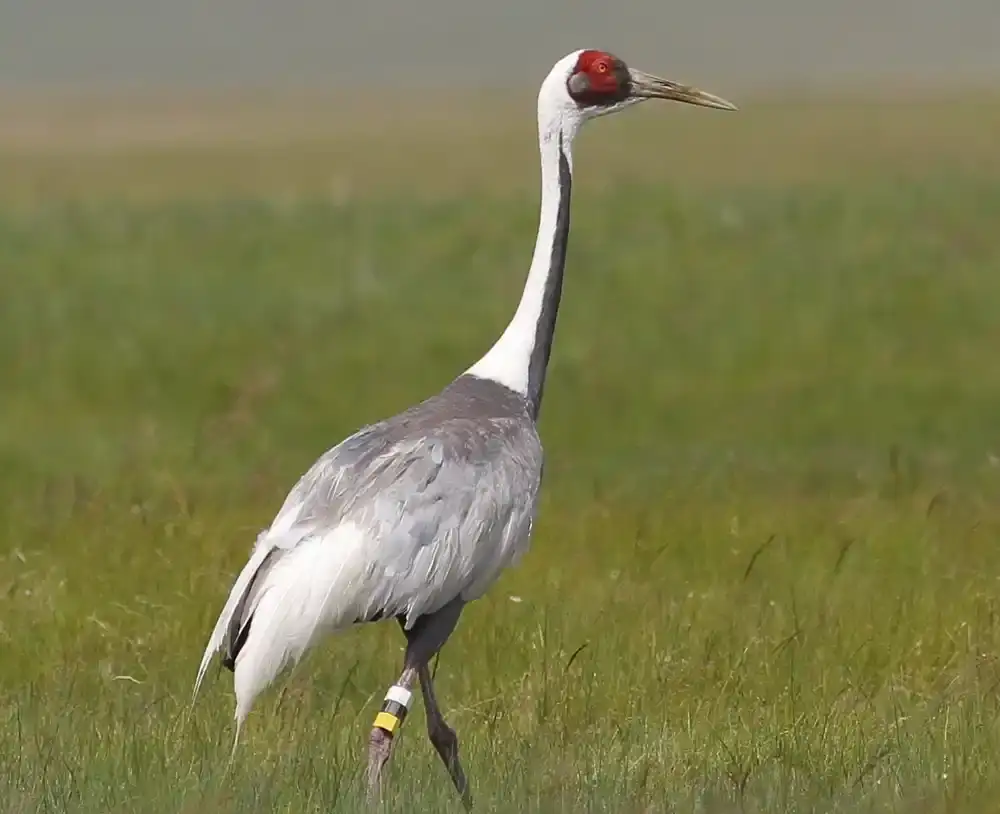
(379,749)
(445,742)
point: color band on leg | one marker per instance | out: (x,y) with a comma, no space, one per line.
(394,709)
(400,695)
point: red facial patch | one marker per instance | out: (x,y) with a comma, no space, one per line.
(600,69)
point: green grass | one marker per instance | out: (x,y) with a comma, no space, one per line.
(765,572)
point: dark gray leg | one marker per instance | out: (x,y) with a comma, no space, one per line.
(443,737)
(423,641)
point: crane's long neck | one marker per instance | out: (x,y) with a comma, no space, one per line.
(520,356)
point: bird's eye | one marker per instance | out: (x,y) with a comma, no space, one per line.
(602,67)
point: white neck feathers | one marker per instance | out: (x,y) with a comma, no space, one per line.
(509,361)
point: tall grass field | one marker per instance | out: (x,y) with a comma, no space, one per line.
(766,571)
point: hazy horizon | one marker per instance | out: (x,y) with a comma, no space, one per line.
(310,44)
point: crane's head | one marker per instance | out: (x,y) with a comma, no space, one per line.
(591,83)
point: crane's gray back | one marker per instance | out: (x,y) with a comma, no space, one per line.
(444,494)
(473,424)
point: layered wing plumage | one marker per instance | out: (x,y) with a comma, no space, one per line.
(397,520)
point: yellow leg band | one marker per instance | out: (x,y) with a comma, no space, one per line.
(387,721)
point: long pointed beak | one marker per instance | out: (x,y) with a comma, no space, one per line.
(647,86)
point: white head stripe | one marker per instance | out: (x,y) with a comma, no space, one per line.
(400,695)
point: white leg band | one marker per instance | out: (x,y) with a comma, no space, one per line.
(400,695)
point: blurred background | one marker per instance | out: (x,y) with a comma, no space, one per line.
(764,576)
(447,43)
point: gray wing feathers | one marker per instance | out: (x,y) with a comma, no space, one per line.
(443,512)
(398,519)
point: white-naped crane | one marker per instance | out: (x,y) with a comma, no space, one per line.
(416,515)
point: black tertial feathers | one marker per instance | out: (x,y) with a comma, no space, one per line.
(239,626)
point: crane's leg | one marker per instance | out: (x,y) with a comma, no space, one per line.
(387,723)
(443,737)
(423,640)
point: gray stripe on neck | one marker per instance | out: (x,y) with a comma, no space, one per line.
(546,327)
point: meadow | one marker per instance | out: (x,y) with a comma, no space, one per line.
(765,574)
